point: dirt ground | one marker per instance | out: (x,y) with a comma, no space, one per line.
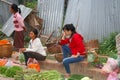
(16,62)
(3,78)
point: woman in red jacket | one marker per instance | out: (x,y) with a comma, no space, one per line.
(72,47)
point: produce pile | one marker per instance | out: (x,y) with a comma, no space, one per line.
(31,74)
(18,73)
(108,46)
(10,71)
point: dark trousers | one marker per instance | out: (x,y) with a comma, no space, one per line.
(35,55)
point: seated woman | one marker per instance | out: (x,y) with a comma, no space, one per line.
(72,47)
(35,48)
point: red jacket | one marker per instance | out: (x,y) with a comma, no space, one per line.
(76,44)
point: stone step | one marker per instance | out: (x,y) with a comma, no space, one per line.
(76,68)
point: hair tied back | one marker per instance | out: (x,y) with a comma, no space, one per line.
(19,10)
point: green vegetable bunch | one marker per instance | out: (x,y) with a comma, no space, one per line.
(25,75)
(46,75)
(108,46)
(21,58)
(51,75)
(11,71)
(3,69)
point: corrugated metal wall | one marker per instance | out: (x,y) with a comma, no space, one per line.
(94,19)
(4,11)
(51,11)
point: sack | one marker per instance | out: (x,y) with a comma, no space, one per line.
(33,63)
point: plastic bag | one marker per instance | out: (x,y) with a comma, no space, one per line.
(92,56)
(86,78)
(110,65)
(9,63)
(3,61)
(33,63)
(113,76)
(21,58)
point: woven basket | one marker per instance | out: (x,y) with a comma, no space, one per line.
(59,57)
(92,44)
(5,50)
(53,48)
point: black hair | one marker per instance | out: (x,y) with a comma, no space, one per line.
(69,27)
(35,31)
(15,8)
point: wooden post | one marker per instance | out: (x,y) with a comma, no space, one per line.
(50,36)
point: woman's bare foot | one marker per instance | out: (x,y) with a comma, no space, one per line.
(67,75)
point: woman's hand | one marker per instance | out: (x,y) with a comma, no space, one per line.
(25,29)
(22,49)
(75,56)
(63,35)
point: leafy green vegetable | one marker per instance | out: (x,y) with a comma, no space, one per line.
(11,71)
(31,4)
(108,46)
(25,74)
(76,77)
(21,58)
(46,75)
(3,69)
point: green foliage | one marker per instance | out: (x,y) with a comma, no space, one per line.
(21,58)
(3,69)
(27,39)
(0,25)
(31,4)
(19,76)
(2,35)
(11,71)
(27,72)
(108,46)
(76,77)
(31,74)
(50,75)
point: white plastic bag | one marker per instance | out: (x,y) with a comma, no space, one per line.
(9,63)
(86,78)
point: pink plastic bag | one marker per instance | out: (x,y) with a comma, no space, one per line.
(110,65)
(112,76)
